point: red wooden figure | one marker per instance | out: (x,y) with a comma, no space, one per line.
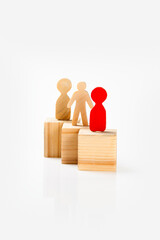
(98,112)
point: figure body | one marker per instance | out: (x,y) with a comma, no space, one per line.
(81,97)
(98,112)
(62,112)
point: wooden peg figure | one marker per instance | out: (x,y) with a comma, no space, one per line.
(81,97)
(98,112)
(62,112)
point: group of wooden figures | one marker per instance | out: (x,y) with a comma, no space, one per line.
(81,97)
(91,147)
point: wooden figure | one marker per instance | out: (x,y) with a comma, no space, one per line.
(98,112)
(62,112)
(81,97)
(69,147)
(52,137)
(97,151)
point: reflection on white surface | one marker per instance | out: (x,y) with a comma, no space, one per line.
(79,193)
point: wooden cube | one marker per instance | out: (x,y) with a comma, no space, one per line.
(97,151)
(69,150)
(52,137)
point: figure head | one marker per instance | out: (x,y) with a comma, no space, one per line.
(99,95)
(81,86)
(64,85)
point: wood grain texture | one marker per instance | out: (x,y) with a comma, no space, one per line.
(52,137)
(97,151)
(69,149)
(62,112)
(81,97)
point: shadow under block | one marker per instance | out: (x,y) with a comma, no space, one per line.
(69,150)
(52,137)
(97,151)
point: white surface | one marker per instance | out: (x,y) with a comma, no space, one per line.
(114,44)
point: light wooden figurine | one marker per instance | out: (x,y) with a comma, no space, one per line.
(62,112)
(69,144)
(81,97)
(97,151)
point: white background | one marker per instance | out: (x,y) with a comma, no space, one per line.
(113,44)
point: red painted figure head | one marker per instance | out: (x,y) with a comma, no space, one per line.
(99,95)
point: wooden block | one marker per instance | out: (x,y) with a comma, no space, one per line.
(97,151)
(69,150)
(52,137)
